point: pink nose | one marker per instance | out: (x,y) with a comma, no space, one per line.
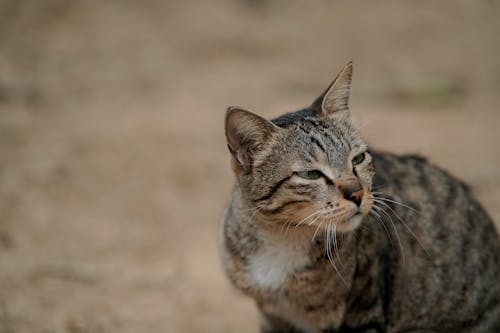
(356,197)
(353,192)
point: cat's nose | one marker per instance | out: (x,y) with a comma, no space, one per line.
(352,192)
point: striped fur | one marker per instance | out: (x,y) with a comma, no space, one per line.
(415,253)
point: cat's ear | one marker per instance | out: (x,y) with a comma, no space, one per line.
(336,96)
(246,132)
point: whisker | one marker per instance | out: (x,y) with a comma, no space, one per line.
(326,237)
(307,217)
(328,251)
(395,232)
(379,218)
(357,128)
(289,224)
(406,226)
(257,209)
(362,226)
(316,231)
(243,210)
(330,240)
(283,226)
(395,202)
(314,220)
(335,245)
(317,212)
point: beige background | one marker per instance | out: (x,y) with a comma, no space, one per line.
(113,165)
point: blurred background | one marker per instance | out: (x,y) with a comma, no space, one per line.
(113,164)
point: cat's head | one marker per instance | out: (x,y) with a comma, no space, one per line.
(309,168)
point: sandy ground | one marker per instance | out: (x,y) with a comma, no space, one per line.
(113,165)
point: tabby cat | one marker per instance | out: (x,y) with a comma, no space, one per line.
(327,235)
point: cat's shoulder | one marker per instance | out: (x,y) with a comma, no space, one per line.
(392,159)
(404,173)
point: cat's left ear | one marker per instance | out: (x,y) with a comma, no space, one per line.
(336,97)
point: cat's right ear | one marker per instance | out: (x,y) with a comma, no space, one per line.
(246,132)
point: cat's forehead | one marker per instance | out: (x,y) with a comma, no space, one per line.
(327,135)
(317,142)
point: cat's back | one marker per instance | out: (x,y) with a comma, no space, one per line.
(448,256)
(423,190)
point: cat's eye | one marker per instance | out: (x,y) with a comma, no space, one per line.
(358,159)
(309,174)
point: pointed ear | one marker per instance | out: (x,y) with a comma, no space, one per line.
(336,97)
(246,132)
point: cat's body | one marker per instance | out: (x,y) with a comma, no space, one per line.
(426,258)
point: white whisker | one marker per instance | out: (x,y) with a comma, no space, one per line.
(379,218)
(244,210)
(283,226)
(256,210)
(335,245)
(308,217)
(395,232)
(395,202)
(289,224)
(405,225)
(314,220)
(328,251)
(316,231)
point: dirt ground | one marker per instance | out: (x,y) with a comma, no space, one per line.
(113,164)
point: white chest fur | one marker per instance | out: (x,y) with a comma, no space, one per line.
(278,258)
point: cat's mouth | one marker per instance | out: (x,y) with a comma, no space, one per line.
(344,218)
(351,221)
(351,218)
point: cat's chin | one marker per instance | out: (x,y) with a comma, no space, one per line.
(351,223)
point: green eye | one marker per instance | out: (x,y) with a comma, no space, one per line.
(310,174)
(358,159)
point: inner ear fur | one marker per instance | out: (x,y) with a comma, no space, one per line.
(246,132)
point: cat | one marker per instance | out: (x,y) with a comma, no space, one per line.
(327,235)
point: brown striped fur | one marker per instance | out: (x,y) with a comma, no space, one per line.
(390,244)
